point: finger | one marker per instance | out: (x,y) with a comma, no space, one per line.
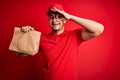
(56,9)
(23,29)
(53,9)
(26,29)
(31,28)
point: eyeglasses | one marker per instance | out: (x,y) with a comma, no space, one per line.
(56,16)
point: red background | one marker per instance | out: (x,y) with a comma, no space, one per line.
(98,57)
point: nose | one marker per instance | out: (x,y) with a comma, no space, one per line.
(55,19)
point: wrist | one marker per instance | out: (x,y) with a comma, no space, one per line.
(71,17)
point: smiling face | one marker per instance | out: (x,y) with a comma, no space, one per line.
(56,21)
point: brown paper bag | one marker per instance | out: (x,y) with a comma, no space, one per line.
(27,43)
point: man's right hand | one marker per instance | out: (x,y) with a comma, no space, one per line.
(27,28)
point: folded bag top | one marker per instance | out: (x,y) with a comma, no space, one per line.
(27,43)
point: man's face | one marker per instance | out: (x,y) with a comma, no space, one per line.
(56,21)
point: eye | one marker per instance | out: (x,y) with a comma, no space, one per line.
(51,17)
(59,16)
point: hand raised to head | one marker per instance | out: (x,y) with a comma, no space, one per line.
(66,15)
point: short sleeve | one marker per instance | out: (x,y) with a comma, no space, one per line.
(78,35)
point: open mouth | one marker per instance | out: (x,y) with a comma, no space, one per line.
(56,25)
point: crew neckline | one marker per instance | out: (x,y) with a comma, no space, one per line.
(58,35)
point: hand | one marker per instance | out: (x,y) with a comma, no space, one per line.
(27,28)
(66,15)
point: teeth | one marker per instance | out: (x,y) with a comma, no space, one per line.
(55,24)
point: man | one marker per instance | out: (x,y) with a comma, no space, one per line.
(60,47)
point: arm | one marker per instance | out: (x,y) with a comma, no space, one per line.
(91,28)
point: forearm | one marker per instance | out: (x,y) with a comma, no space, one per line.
(88,25)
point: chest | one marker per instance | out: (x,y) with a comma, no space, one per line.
(53,43)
